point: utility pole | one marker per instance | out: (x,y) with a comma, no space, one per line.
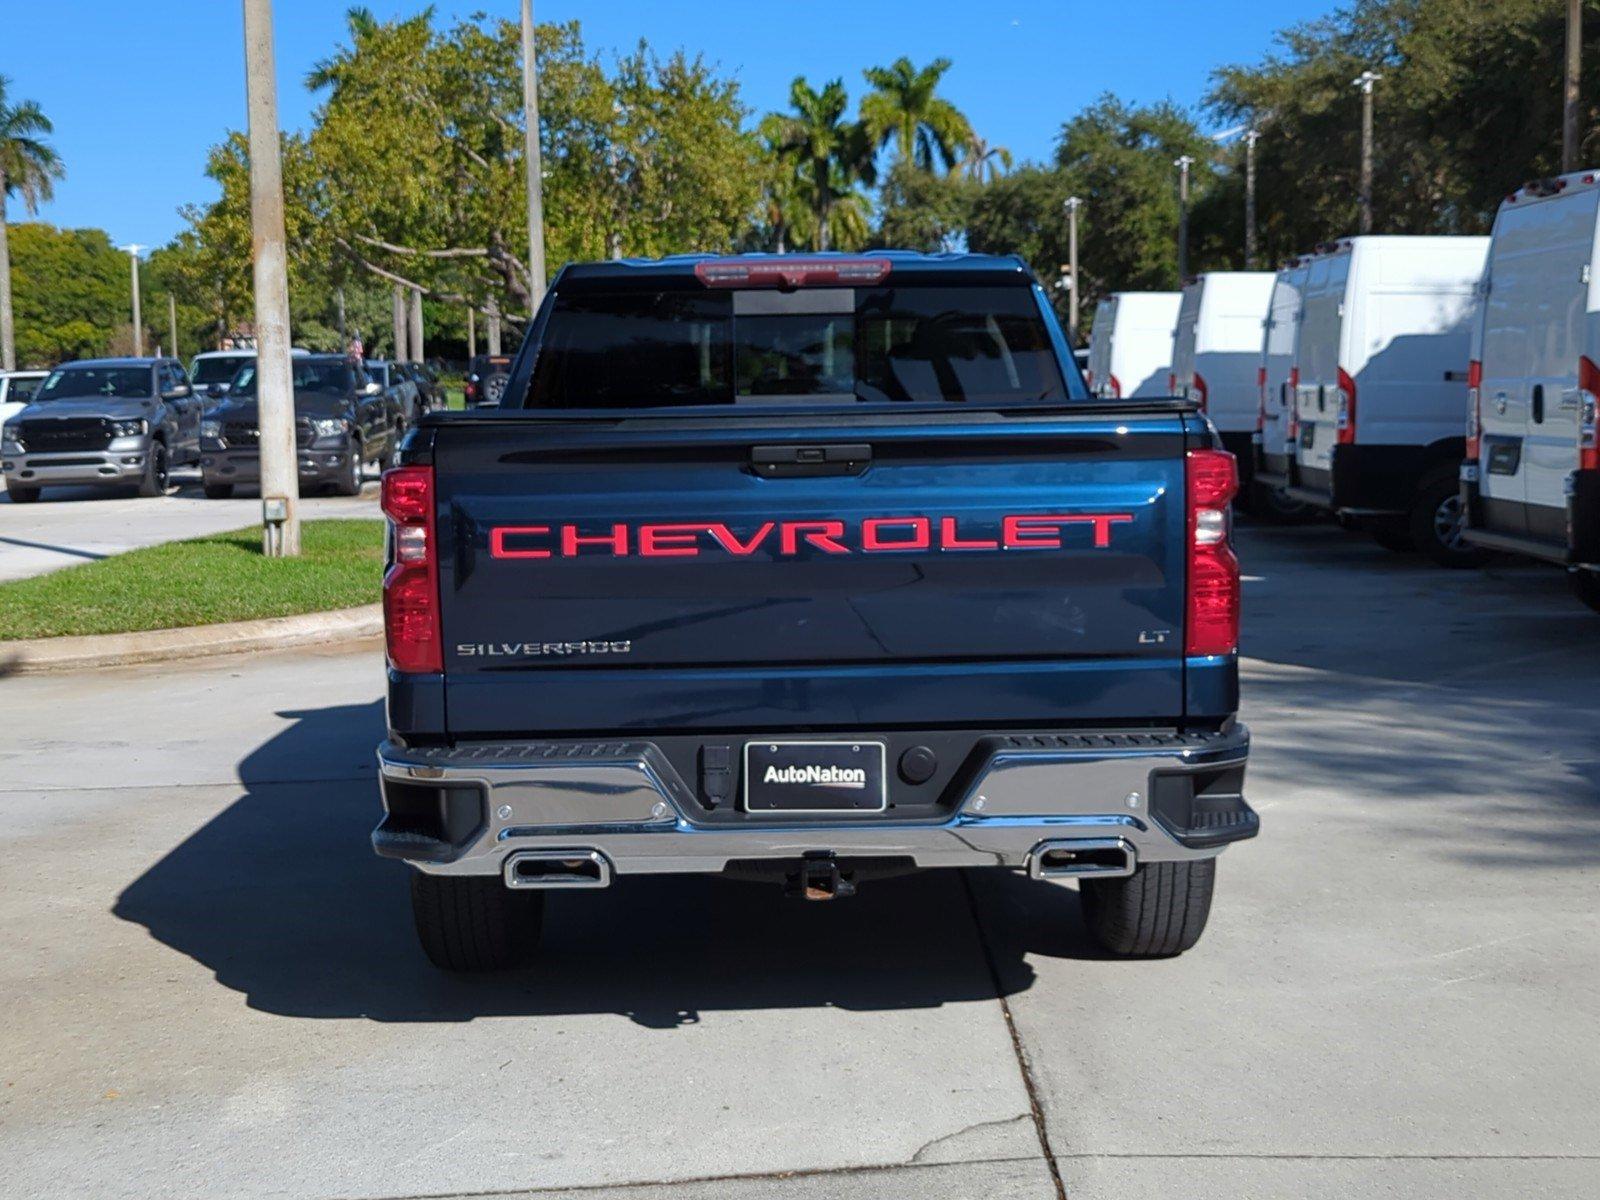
(1569,116)
(280,481)
(1183,162)
(415,322)
(1072,204)
(530,112)
(172,321)
(1251,136)
(1364,81)
(132,251)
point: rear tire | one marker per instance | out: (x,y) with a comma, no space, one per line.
(1268,504)
(23,495)
(475,922)
(219,491)
(1586,587)
(1158,911)
(1436,521)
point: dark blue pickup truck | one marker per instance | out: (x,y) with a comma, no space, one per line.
(818,569)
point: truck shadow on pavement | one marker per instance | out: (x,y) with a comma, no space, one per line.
(280,896)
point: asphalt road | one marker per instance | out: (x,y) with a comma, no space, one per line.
(211,986)
(74,525)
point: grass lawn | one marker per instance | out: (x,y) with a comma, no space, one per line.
(205,581)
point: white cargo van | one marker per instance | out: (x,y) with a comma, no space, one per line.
(1385,332)
(1130,347)
(1532,477)
(1276,375)
(1216,349)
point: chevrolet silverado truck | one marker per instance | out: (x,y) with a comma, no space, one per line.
(813,569)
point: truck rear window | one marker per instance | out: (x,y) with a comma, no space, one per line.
(979,345)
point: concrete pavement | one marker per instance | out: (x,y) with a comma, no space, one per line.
(213,987)
(74,525)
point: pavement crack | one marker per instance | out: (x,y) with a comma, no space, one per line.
(1035,1106)
(927,1146)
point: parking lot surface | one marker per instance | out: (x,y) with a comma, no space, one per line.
(75,525)
(212,986)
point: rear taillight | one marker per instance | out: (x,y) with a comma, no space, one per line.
(1294,403)
(1116,388)
(1261,399)
(1198,391)
(1213,606)
(411,586)
(1346,423)
(1588,403)
(1474,409)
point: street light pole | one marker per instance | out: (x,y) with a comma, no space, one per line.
(1569,115)
(280,481)
(1183,162)
(132,251)
(1364,81)
(1251,136)
(1073,203)
(530,112)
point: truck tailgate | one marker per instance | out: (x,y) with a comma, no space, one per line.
(958,569)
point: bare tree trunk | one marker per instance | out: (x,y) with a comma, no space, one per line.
(1570,133)
(8,333)
(530,107)
(415,330)
(494,326)
(397,313)
(472,331)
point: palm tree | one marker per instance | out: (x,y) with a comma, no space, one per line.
(985,162)
(903,108)
(29,169)
(832,154)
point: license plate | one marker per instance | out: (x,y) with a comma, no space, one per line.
(814,777)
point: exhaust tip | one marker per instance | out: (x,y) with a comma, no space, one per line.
(551,869)
(1102,858)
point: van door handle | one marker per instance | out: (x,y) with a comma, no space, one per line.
(1538,404)
(809,462)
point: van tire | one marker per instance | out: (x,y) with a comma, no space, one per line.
(23,495)
(1586,587)
(219,491)
(1277,507)
(1158,911)
(475,922)
(1394,536)
(1438,510)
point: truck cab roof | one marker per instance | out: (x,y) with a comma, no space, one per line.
(825,268)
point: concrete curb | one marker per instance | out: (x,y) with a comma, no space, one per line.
(338,627)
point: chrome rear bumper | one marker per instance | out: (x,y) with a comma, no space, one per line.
(472,810)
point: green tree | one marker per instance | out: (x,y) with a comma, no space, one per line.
(904,108)
(981,161)
(833,157)
(28,170)
(918,210)
(71,293)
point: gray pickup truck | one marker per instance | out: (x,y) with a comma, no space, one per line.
(106,422)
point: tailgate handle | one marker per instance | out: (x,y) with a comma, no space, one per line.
(808,462)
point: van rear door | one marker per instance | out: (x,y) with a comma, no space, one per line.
(1321,337)
(1533,335)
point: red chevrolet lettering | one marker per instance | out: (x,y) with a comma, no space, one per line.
(669,541)
(823,535)
(1042,531)
(872,533)
(499,534)
(572,541)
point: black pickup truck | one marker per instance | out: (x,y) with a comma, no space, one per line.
(817,569)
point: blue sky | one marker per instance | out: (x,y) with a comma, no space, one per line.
(139,92)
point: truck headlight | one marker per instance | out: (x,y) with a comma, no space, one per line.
(134,428)
(327,427)
(10,441)
(211,429)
